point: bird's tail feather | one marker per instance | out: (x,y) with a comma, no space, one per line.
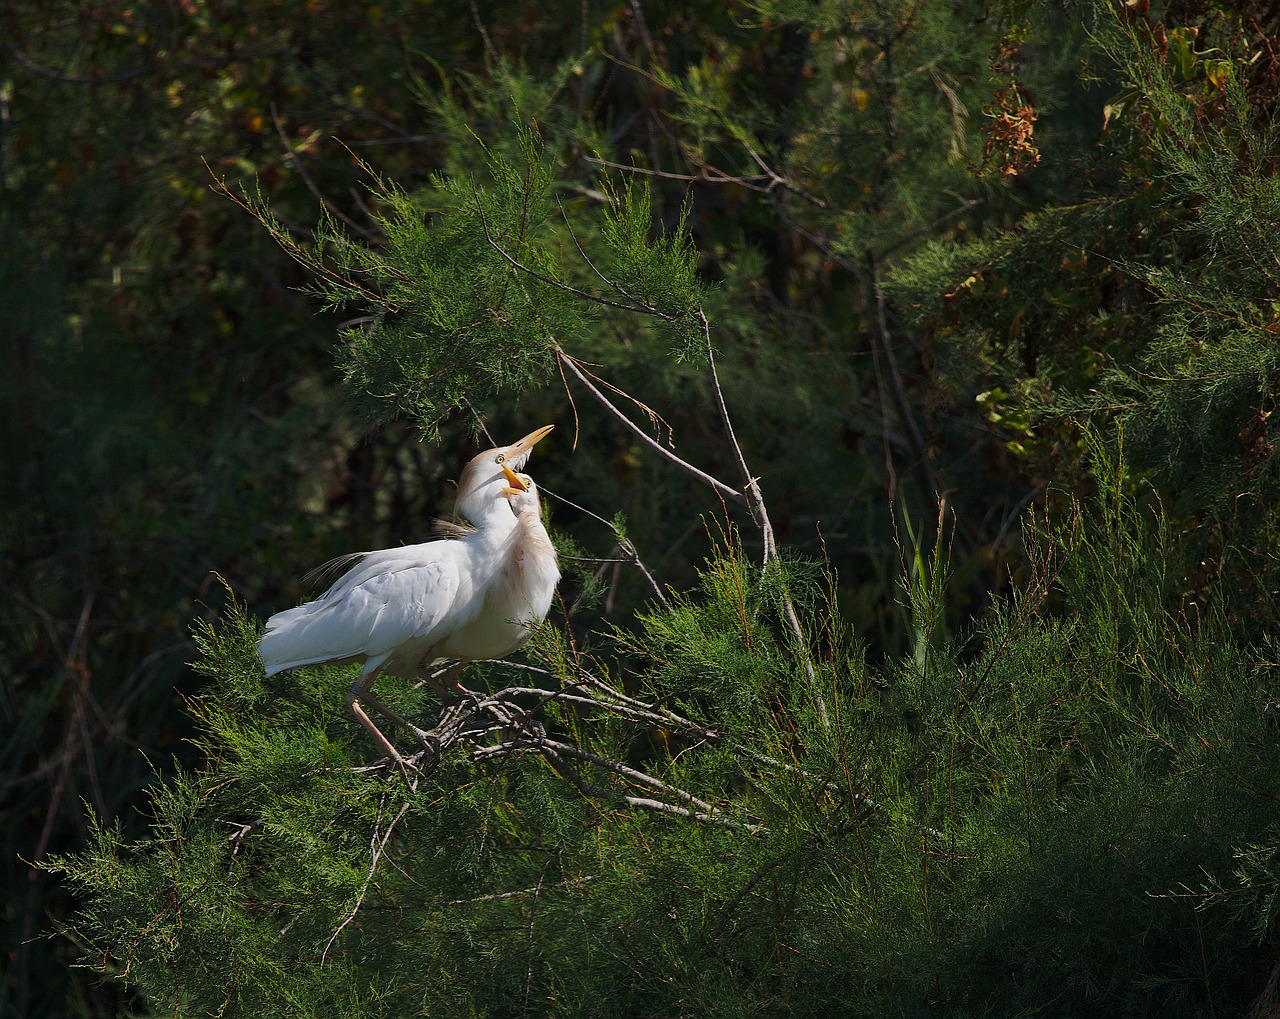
(296,637)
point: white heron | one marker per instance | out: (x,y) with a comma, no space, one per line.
(473,597)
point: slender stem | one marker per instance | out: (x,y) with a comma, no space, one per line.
(515,263)
(377,846)
(498,896)
(761,515)
(901,403)
(644,802)
(567,361)
(639,777)
(757,498)
(296,160)
(624,544)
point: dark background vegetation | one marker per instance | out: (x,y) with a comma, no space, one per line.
(957,256)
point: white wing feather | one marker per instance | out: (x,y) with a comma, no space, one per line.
(391,601)
(326,575)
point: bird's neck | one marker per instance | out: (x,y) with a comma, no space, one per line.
(532,532)
(495,526)
(535,552)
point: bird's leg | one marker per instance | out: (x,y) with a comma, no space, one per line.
(440,689)
(360,690)
(454,677)
(418,734)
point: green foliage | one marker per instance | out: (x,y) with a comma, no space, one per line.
(477,305)
(1067,805)
(1151,304)
(453,299)
(660,273)
(836,763)
(228,654)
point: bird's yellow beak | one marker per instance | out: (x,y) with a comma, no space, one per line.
(529,441)
(517,454)
(514,480)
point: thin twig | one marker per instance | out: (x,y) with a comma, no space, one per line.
(291,248)
(641,308)
(533,909)
(761,514)
(492,51)
(903,405)
(624,544)
(751,485)
(644,802)
(639,777)
(377,848)
(499,896)
(570,363)
(300,166)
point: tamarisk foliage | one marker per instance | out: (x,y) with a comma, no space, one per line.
(1059,813)
(716,796)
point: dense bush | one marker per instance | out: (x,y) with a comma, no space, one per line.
(913,368)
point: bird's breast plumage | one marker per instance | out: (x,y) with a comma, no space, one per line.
(524,575)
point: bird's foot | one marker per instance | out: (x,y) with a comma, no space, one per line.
(460,694)
(427,758)
(428,743)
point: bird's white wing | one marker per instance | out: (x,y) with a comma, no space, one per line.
(391,601)
(327,574)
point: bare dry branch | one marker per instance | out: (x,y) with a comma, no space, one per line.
(377,846)
(761,515)
(569,362)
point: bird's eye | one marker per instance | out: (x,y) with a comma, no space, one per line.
(500,458)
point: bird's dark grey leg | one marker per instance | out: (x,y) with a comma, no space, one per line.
(418,734)
(443,690)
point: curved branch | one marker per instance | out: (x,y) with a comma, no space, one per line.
(568,361)
(761,515)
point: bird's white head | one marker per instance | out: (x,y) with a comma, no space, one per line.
(491,476)
(521,492)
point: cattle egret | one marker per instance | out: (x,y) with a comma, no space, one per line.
(472,597)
